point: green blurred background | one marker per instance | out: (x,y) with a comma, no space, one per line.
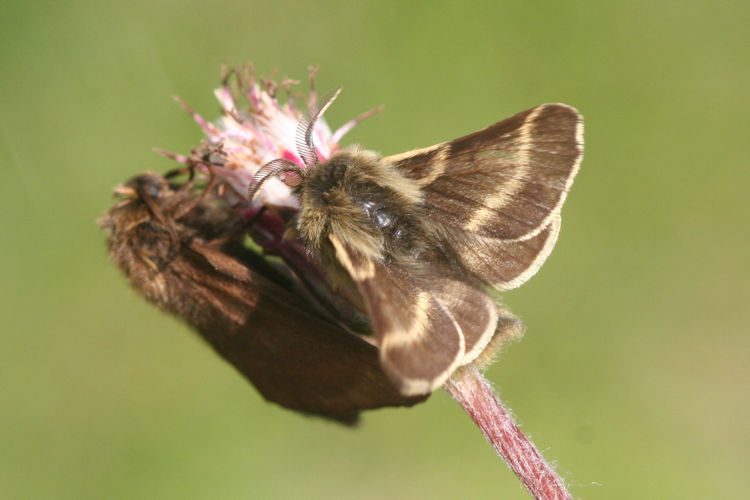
(633,376)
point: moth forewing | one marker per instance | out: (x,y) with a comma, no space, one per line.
(498,192)
(505,181)
(506,264)
(529,254)
(542,158)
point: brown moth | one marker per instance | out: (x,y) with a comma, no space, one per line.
(185,255)
(424,235)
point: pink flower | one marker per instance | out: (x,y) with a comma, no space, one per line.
(258,126)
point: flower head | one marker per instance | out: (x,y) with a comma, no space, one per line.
(258,126)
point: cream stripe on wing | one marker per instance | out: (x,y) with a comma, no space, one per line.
(433,169)
(358,273)
(541,257)
(416,330)
(438,165)
(514,185)
(409,154)
(485,337)
(411,386)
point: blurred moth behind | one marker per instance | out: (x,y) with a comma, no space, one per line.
(408,248)
(186,255)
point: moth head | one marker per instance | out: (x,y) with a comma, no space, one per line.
(140,198)
(144,185)
(290,172)
(142,226)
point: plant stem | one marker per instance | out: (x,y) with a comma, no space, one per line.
(476,396)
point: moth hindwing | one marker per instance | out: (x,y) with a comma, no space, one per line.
(424,233)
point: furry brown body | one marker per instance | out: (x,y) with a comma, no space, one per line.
(373,207)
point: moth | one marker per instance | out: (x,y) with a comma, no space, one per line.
(186,255)
(424,236)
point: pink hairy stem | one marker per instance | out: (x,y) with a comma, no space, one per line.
(472,391)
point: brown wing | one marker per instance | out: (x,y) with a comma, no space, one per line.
(471,308)
(504,181)
(426,327)
(501,189)
(506,264)
(290,354)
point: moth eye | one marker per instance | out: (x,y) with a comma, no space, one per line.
(149,186)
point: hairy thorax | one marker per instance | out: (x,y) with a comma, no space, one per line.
(365,202)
